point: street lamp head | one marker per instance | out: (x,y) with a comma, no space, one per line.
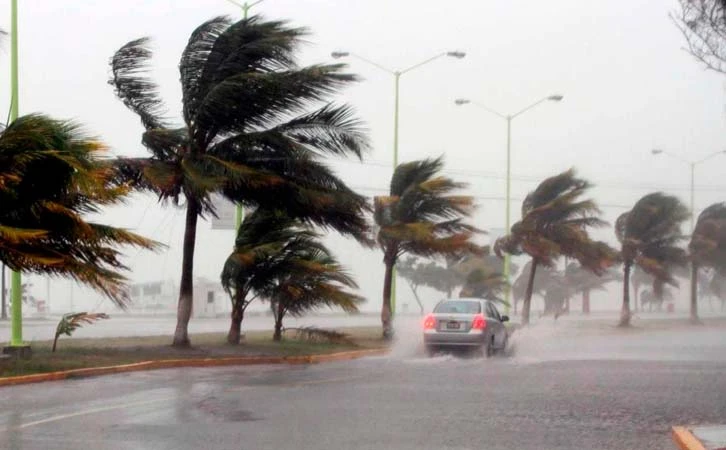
(456,54)
(656,151)
(556,97)
(461,101)
(337,55)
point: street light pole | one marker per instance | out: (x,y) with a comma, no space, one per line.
(507,207)
(239,210)
(397,81)
(16,336)
(692,165)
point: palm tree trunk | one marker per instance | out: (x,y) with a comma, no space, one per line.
(386,307)
(528,294)
(625,312)
(186,287)
(694,293)
(636,296)
(277,336)
(414,289)
(586,302)
(238,313)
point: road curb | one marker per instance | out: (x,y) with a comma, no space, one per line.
(188,362)
(685,440)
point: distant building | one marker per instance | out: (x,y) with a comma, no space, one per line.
(161,297)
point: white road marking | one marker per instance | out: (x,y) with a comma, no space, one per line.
(86,412)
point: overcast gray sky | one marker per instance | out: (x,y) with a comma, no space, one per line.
(628,87)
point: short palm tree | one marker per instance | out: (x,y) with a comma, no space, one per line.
(649,236)
(314,279)
(253,129)
(421,217)
(263,241)
(555,222)
(51,176)
(707,248)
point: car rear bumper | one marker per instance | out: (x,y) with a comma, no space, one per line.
(455,339)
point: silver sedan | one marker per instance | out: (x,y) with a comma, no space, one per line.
(465,323)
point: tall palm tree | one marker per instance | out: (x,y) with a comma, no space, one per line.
(253,130)
(51,176)
(421,217)
(707,248)
(649,236)
(555,222)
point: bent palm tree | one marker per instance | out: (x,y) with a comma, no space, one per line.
(707,248)
(421,217)
(247,132)
(314,279)
(263,241)
(649,235)
(554,223)
(51,175)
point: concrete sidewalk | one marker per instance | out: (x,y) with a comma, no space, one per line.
(703,437)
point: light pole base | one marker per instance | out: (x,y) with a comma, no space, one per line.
(18,351)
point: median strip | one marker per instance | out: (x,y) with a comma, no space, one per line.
(188,362)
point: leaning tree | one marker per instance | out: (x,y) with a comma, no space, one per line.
(421,216)
(707,248)
(650,238)
(555,222)
(252,130)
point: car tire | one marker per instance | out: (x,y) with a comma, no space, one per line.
(488,350)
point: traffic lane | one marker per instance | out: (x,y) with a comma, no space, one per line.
(383,403)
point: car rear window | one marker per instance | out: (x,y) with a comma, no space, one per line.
(458,307)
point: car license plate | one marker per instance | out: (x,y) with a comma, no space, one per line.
(453,325)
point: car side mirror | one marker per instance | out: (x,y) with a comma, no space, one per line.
(505,318)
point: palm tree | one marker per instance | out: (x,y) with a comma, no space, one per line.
(554,223)
(707,248)
(247,132)
(421,217)
(51,175)
(584,281)
(417,274)
(649,235)
(315,279)
(264,241)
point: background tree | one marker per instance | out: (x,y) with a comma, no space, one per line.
(421,217)
(650,235)
(52,175)
(583,281)
(485,282)
(543,278)
(707,248)
(416,275)
(554,223)
(703,24)
(247,132)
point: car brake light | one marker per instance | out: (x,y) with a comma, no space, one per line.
(478,323)
(429,322)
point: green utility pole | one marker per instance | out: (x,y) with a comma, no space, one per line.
(397,78)
(240,212)
(507,256)
(16,336)
(507,219)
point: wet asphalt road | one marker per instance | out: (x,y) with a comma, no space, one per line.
(625,395)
